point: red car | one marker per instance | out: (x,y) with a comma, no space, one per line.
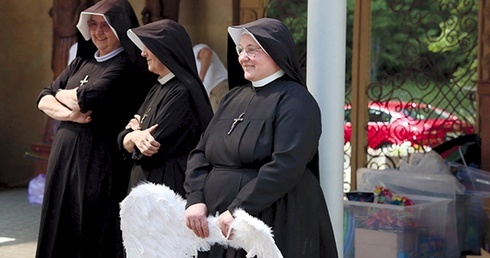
(396,122)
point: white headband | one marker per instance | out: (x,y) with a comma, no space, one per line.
(237,32)
(83,26)
(136,40)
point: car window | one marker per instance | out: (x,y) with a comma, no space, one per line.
(347,116)
(412,113)
(379,116)
(423,113)
(431,113)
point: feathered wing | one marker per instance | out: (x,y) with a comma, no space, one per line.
(153,225)
(253,236)
(152,222)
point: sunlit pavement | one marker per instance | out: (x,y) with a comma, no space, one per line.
(19,224)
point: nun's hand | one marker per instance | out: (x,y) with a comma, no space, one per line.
(144,141)
(224,222)
(134,123)
(196,220)
(79,117)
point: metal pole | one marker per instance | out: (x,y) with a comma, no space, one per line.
(326,80)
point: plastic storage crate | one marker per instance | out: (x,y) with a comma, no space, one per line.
(471,222)
(443,186)
(426,229)
(473,178)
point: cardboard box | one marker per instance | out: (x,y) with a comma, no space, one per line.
(374,243)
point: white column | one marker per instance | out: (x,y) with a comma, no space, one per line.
(326,81)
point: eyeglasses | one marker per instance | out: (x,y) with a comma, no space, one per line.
(250,51)
(93,25)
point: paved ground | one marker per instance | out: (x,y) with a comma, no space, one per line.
(19,224)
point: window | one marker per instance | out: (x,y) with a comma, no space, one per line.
(379,116)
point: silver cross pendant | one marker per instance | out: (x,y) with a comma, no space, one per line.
(235,122)
(84,81)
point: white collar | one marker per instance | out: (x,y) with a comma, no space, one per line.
(166,78)
(268,79)
(112,54)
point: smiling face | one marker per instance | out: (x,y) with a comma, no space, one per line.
(102,35)
(154,64)
(258,66)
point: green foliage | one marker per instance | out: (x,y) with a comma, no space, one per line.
(458,38)
(419,49)
(294,16)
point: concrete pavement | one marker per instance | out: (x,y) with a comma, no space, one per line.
(19,224)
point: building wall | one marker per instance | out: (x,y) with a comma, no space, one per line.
(207,21)
(25,51)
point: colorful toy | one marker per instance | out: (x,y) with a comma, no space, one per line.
(383,195)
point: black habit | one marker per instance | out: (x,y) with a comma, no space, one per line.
(180,107)
(86,176)
(266,163)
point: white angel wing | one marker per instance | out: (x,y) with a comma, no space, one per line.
(153,225)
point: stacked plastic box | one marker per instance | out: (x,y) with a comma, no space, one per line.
(473,209)
(426,229)
(473,179)
(385,230)
(443,186)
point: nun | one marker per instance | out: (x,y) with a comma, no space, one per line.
(260,150)
(176,111)
(93,98)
